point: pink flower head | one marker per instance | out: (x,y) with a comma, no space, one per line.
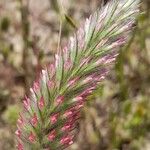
(26,103)
(66,140)
(52,135)
(53,118)
(19,146)
(41,102)
(32,137)
(59,100)
(34,120)
(18,133)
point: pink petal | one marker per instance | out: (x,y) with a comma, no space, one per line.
(19,146)
(53,118)
(41,102)
(18,133)
(66,140)
(32,137)
(34,120)
(59,100)
(52,135)
(26,103)
(36,86)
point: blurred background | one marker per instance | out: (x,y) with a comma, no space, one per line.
(117,114)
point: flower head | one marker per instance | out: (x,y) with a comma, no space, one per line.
(53,109)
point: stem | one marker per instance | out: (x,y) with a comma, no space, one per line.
(25,36)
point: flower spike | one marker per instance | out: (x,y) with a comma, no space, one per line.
(52,111)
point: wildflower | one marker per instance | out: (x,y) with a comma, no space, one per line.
(72,81)
(74,75)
